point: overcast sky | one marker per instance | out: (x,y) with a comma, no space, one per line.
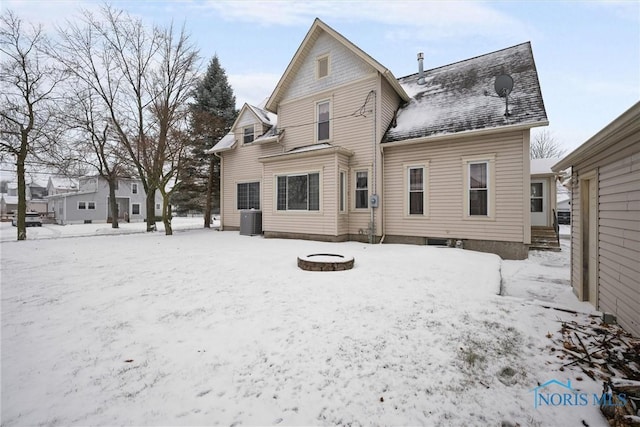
(587,53)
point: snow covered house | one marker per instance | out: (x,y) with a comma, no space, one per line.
(355,153)
(605,219)
(86,200)
(9,200)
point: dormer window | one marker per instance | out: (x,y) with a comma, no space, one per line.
(322,66)
(248,134)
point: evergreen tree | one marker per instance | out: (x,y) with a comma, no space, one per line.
(211,116)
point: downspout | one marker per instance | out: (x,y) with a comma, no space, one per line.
(221,190)
(372,227)
(382,191)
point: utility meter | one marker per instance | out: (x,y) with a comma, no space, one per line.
(373,201)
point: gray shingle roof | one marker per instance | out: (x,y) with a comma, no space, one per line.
(453,98)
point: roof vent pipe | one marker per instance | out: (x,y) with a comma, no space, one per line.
(421,80)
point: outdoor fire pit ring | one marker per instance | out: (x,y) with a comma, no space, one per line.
(325,262)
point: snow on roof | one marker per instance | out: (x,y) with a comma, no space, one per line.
(310,148)
(543,166)
(265,116)
(9,200)
(62,182)
(225,143)
(453,98)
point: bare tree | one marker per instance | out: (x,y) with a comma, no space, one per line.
(142,77)
(545,146)
(93,142)
(27,83)
(170,181)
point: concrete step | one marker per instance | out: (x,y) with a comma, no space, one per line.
(544,239)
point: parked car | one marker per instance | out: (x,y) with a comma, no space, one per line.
(564,217)
(31,219)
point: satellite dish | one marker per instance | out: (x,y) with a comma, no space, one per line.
(503,85)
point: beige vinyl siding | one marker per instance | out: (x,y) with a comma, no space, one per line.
(445,188)
(619,240)
(353,133)
(241,165)
(389,105)
(304,222)
(345,66)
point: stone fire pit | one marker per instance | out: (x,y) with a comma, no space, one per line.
(325,262)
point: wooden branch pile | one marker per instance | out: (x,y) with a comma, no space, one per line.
(609,354)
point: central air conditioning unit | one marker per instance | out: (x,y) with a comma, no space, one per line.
(250,222)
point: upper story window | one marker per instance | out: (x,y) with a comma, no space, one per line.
(248,134)
(134,188)
(324,123)
(322,66)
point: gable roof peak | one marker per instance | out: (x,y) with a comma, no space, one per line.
(317,27)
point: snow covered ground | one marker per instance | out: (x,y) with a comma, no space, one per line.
(213,328)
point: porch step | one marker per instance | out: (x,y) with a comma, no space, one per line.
(544,239)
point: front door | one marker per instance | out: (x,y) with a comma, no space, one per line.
(539,203)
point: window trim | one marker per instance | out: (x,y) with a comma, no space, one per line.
(355,189)
(319,58)
(91,205)
(139,210)
(251,181)
(288,211)
(407,189)
(317,120)
(244,134)
(489,160)
(83,204)
(343,191)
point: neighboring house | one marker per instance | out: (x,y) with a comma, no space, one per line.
(9,200)
(89,202)
(543,192)
(60,185)
(605,219)
(357,154)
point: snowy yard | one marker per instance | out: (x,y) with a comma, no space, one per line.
(207,328)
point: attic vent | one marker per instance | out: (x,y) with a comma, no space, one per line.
(421,79)
(323,66)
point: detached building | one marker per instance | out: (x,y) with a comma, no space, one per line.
(605,219)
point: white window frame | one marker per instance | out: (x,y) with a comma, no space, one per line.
(297,211)
(330,121)
(343,190)
(407,189)
(238,183)
(134,188)
(244,134)
(138,205)
(319,59)
(91,206)
(489,160)
(355,189)
(82,206)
